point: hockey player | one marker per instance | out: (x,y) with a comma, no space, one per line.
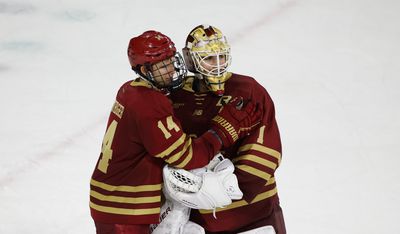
(143,135)
(256,156)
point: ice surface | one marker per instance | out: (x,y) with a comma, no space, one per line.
(332,68)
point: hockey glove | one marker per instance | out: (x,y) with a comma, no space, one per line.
(235,120)
(206,190)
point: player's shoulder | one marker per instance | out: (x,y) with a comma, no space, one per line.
(245,79)
(142,97)
(246,86)
(138,88)
(239,81)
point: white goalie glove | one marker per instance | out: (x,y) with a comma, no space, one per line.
(200,189)
(205,188)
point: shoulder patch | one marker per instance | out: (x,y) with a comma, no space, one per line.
(118,109)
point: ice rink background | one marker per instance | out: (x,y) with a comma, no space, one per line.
(332,68)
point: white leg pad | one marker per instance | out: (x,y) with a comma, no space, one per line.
(261,230)
(192,228)
(173,217)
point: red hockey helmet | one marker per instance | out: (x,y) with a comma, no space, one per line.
(153,47)
(149,48)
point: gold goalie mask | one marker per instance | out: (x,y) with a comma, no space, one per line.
(207,55)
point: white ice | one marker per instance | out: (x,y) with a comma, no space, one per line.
(332,68)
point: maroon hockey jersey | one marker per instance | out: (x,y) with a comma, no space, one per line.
(256,156)
(142,135)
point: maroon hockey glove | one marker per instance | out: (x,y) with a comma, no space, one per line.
(235,120)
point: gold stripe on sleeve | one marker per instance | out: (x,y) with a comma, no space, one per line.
(261,149)
(265,195)
(256,159)
(125,188)
(254,171)
(178,155)
(129,200)
(173,147)
(270,181)
(236,204)
(122,211)
(187,159)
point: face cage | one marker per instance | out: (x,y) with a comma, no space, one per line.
(176,78)
(216,70)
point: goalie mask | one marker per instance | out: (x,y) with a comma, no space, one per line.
(207,54)
(153,56)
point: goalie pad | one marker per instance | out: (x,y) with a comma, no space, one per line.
(207,190)
(173,218)
(193,228)
(260,230)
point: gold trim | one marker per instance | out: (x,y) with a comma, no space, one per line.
(141,83)
(188,86)
(224,100)
(126,188)
(262,149)
(129,200)
(172,147)
(187,159)
(118,109)
(256,159)
(254,171)
(259,197)
(265,195)
(123,211)
(228,126)
(270,181)
(178,155)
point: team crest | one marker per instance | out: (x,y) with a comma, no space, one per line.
(224,100)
